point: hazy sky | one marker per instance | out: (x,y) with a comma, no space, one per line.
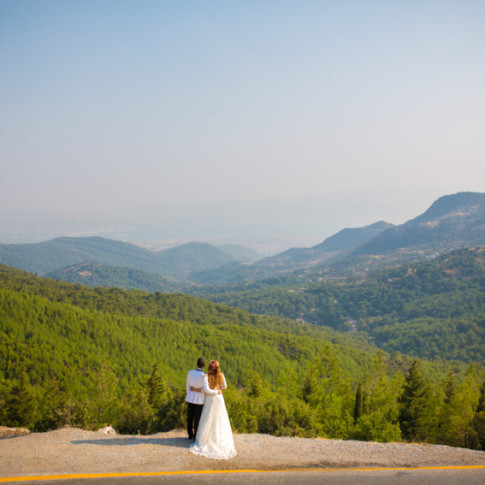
(129,104)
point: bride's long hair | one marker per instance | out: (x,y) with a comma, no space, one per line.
(214,375)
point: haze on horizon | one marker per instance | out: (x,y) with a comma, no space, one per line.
(301,118)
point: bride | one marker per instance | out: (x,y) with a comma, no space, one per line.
(214,435)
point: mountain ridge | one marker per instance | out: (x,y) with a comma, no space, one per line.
(333,248)
(451,222)
(61,253)
(340,243)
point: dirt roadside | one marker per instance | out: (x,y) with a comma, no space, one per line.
(71,450)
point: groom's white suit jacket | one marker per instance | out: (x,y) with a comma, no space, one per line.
(195,378)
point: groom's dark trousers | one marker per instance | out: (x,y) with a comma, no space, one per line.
(193,417)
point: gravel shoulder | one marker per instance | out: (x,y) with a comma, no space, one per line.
(72,450)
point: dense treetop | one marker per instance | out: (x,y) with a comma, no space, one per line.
(430,309)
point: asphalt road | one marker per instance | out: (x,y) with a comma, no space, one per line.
(361,477)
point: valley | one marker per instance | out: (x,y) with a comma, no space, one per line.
(336,341)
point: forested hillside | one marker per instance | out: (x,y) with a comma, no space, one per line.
(96,274)
(433,309)
(71,354)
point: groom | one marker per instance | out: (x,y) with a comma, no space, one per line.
(194,399)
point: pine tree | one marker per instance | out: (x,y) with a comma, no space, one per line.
(417,407)
(103,400)
(253,383)
(379,407)
(21,405)
(446,432)
(288,381)
(135,414)
(358,408)
(478,423)
(156,387)
(326,389)
(49,408)
(467,402)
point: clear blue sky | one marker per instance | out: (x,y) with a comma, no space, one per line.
(120,104)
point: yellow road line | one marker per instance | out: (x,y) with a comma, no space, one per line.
(199,472)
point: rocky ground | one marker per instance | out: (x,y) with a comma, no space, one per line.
(71,450)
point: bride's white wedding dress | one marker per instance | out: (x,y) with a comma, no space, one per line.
(214,435)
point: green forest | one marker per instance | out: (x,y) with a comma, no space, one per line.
(95,274)
(431,310)
(88,357)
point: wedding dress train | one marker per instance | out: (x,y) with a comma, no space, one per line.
(214,435)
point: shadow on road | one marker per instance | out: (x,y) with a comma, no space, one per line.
(133,441)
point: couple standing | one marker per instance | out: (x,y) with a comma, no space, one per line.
(207,420)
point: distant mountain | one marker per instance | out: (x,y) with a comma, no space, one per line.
(96,274)
(452,221)
(61,252)
(336,246)
(333,248)
(182,260)
(240,253)
(349,239)
(66,252)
